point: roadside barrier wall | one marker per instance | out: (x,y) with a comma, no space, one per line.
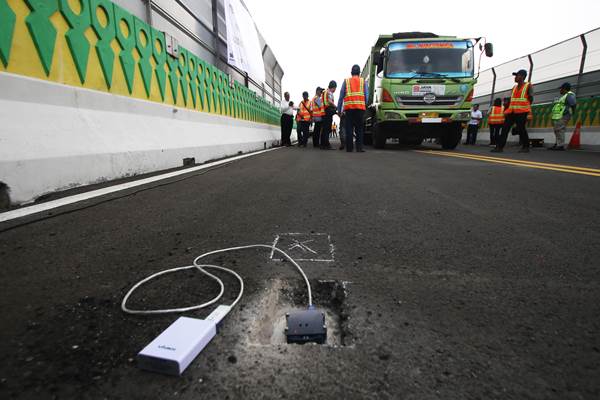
(88,93)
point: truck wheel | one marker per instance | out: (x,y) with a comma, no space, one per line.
(368,139)
(378,137)
(451,137)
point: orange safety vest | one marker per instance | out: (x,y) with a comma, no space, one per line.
(496,116)
(316,110)
(355,94)
(519,102)
(304,110)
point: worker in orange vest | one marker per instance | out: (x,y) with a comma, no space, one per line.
(521,99)
(330,110)
(352,102)
(318,112)
(305,118)
(495,121)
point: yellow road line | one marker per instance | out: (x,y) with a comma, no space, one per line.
(594,170)
(507,161)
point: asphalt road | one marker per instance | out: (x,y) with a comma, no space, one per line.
(442,277)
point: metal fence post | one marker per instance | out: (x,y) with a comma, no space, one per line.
(215,30)
(530,66)
(149,12)
(493,87)
(582,64)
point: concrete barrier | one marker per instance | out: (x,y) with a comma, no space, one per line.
(89,92)
(54,137)
(590,136)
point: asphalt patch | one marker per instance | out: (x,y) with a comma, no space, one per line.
(279,297)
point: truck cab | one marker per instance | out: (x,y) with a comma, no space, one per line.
(423,88)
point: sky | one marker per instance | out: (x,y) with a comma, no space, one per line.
(316,41)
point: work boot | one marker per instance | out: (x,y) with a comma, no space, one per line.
(552,148)
(524,150)
(497,150)
(559,148)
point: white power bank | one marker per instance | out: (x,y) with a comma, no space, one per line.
(176,347)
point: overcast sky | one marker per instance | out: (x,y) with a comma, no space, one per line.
(319,40)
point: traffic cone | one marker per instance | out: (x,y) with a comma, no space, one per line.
(575,142)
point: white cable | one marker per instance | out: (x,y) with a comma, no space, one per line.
(201,267)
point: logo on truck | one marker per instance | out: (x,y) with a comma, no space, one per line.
(429,98)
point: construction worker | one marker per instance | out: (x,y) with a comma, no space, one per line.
(318,112)
(305,117)
(329,107)
(495,121)
(563,108)
(352,102)
(287,119)
(521,99)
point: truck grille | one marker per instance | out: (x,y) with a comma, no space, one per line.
(417,101)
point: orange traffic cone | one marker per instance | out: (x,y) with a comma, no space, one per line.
(575,142)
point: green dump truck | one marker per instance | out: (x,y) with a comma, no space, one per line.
(421,87)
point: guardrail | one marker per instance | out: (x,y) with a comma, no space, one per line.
(575,60)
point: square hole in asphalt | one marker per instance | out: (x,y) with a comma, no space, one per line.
(268,312)
(316,247)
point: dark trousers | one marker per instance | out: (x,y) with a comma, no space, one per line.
(326,131)
(287,122)
(354,122)
(495,133)
(304,132)
(472,133)
(520,120)
(316,136)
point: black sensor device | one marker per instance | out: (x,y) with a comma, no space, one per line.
(306,326)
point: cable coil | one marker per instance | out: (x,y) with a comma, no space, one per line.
(201,268)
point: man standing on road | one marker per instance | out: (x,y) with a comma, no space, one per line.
(329,106)
(287,119)
(473,127)
(495,121)
(304,118)
(318,112)
(521,99)
(352,102)
(563,108)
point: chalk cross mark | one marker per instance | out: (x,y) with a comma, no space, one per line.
(302,245)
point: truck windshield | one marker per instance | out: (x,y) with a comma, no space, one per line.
(452,59)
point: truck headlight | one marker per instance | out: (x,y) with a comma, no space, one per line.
(389,115)
(462,116)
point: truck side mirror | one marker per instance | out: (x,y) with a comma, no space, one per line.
(489,49)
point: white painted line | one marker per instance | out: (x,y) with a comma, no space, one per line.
(49,205)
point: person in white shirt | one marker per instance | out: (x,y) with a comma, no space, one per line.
(287,119)
(473,127)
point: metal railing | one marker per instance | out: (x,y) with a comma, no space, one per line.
(575,60)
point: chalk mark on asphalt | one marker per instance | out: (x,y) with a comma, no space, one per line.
(297,245)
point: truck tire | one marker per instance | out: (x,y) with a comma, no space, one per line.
(451,137)
(368,139)
(378,137)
